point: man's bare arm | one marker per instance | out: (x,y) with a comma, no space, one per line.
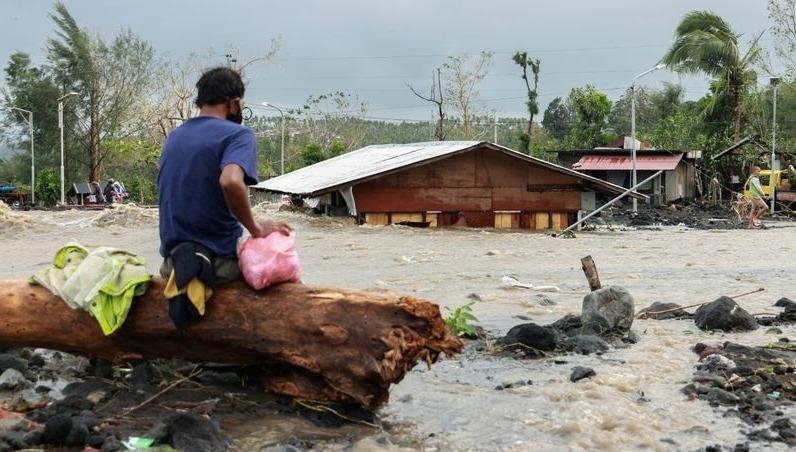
(237,196)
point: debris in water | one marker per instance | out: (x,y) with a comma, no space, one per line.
(514,282)
(125,215)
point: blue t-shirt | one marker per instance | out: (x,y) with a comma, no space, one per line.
(192,204)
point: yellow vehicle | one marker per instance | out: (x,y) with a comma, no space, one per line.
(781,185)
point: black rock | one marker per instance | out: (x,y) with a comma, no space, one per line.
(773,331)
(37,360)
(141,376)
(78,436)
(212,378)
(35,437)
(101,368)
(13,362)
(111,444)
(658,306)
(785,302)
(569,325)
(530,338)
(96,440)
(56,429)
(721,397)
(741,447)
(763,435)
(579,373)
(82,389)
(631,338)
(189,431)
(724,314)
(16,439)
(586,344)
(516,384)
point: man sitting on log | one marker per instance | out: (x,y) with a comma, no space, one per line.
(205,166)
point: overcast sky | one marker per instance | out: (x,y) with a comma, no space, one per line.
(374,48)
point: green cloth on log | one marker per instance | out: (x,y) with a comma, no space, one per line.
(102,282)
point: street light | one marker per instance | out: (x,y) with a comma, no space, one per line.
(32,165)
(775,83)
(61,126)
(633,177)
(282,114)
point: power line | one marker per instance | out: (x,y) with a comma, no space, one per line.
(444,55)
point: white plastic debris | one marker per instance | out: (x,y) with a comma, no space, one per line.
(514,282)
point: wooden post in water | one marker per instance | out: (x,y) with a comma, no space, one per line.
(590,270)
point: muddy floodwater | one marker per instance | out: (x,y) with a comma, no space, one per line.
(634,402)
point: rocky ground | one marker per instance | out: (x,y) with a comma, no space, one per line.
(690,213)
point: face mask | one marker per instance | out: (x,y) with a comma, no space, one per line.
(235,117)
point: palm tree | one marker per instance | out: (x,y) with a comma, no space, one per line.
(704,42)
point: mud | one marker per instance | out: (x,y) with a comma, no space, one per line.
(633,402)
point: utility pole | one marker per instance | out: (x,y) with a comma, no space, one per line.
(61,127)
(633,176)
(32,157)
(774,166)
(494,119)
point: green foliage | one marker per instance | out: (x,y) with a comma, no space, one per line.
(557,118)
(312,154)
(134,163)
(48,187)
(521,59)
(590,109)
(112,81)
(31,88)
(337,148)
(705,43)
(459,321)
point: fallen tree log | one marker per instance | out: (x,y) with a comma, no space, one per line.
(306,342)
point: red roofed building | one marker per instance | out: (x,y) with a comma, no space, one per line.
(614,164)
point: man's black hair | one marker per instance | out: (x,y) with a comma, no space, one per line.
(218,85)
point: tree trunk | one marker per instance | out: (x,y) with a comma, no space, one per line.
(736,96)
(95,155)
(306,342)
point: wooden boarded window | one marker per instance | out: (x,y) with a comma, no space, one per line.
(410,217)
(377,219)
(507,219)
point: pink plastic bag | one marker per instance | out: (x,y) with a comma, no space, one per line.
(270,260)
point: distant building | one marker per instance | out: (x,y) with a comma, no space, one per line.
(614,164)
(437,184)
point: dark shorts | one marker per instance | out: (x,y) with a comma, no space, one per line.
(227,270)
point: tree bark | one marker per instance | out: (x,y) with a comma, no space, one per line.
(736,97)
(306,342)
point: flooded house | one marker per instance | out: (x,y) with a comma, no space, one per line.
(438,184)
(613,163)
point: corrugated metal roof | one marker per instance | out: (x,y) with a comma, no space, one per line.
(377,160)
(625,163)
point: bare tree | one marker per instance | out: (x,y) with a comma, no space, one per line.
(175,103)
(437,99)
(463,74)
(333,117)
